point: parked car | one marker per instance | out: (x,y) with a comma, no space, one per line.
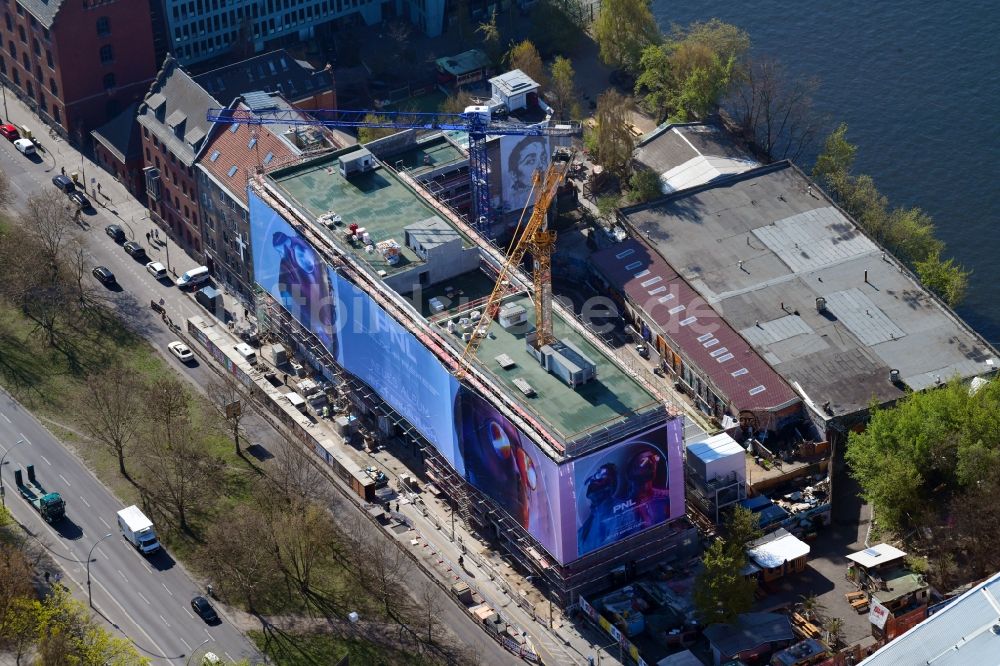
(104,274)
(116,233)
(204,609)
(9,132)
(64,183)
(156,269)
(80,199)
(25,146)
(180,350)
(134,250)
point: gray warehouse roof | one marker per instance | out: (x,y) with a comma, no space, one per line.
(691,154)
(431,232)
(966,631)
(763,246)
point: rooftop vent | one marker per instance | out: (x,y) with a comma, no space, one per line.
(894,376)
(820,304)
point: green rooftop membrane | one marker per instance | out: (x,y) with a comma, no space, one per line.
(606,400)
(426,156)
(375,200)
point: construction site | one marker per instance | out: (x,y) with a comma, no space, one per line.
(438,346)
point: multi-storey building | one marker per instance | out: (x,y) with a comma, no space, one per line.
(199,30)
(233,155)
(77,64)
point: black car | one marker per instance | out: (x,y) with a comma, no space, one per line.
(80,199)
(104,274)
(116,233)
(64,183)
(205,610)
(135,250)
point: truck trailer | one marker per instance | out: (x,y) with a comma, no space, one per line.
(138,530)
(50,506)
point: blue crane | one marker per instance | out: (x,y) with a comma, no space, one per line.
(477,121)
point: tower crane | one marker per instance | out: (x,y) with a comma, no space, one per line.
(538,240)
(477,121)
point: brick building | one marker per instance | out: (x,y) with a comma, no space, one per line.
(77,64)
(173,123)
(233,154)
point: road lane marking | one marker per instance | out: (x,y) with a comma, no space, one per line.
(6,418)
(186,644)
(167,589)
(84,500)
(228,656)
(143,598)
(122,575)
(105,522)
(26,441)
(45,459)
(210,636)
(165,621)
(65,481)
(191,615)
(101,551)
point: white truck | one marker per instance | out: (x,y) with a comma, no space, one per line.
(138,530)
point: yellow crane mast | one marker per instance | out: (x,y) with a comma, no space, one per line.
(537,239)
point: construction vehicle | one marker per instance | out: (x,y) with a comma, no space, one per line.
(50,506)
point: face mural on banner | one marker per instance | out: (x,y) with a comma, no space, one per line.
(629,487)
(292,272)
(520,157)
(508,467)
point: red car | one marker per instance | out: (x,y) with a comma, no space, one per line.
(9,132)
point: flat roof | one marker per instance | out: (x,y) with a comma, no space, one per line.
(691,154)
(762,246)
(427,155)
(693,328)
(715,448)
(513,82)
(464,62)
(376,200)
(961,633)
(750,631)
(900,582)
(609,399)
(877,555)
(776,548)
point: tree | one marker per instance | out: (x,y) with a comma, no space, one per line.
(945,278)
(687,75)
(180,474)
(607,206)
(524,56)
(812,608)
(231,401)
(369,134)
(741,527)
(490,34)
(47,219)
(834,163)
(304,538)
(774,110)
(562,88)
(15,585)
(457,102)
(293,476)
(116,410)
(721,591)
(622,30)
(240,552)
(644,186)
(613,139)
(834,632)
(428,601)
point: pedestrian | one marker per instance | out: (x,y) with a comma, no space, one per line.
(63,170)
(147,238)
(286,379)
(46,577)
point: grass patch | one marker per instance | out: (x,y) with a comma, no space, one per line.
(324,649)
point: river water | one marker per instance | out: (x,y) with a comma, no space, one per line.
(918,83)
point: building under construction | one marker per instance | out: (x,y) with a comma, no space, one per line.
(545,444)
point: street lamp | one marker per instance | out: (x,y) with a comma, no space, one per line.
(621,655)
(195,651)
(5,114)
(3,501)
(90,555)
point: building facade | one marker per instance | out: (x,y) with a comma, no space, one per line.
(77,64)
(200,30)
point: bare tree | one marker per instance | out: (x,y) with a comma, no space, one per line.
(294,476)
(180,474)
(47,219)
(429,602)
(613,141)
(231,402)
(774,110)
(240,553)
(115,410)
(304,538)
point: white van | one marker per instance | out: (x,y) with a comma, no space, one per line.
(25,146)
(193,277)
(247,352)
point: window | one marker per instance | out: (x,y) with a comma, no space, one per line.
(52,87)
(233,170)
(253,142)
(107,54)
(10,26)
(109,80)
(103,27)
(215,156)
(268,158)
(49,60)
(20,33)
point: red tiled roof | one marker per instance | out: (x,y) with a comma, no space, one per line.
(720,354)
(234,150)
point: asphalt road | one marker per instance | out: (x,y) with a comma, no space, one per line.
(148,601)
